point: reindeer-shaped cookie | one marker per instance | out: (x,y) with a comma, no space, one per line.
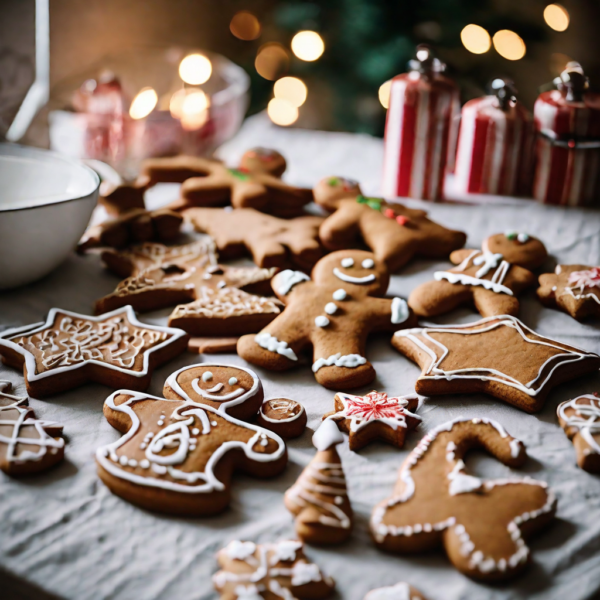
(480,523)
(334,312)
(490,278)
(394,232)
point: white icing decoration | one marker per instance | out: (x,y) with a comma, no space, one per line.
(281,405)
(468,280)
(331,308)
(586,419)
(285,551)
(303,573)
(461,483)
(340,295)
(488,373)
(321,321)
(523,237)
(287,279)
(211,396)
(347,263)
(350,361)
(232,380)
(240,550)
(272,344)
(207,376)
(327,435)
(355,280)
(400,591)
(488,260)
(400,311)
(368,263)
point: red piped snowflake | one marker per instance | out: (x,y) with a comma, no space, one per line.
(585,279)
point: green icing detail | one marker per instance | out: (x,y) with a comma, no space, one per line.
(374,203)
(333,181)
(239,175)
(511,235)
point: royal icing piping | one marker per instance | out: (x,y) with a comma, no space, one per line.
(586,419)
(434,372)
(287,279)
(340,294)
(272,344)
(347,263)
(400,591)
(368,263)
(356,280)
(400,311)
(350,361)
(331,308)
(321,321)
(477,559)
(580,280)
(327,435)
(82,348)
(177,435)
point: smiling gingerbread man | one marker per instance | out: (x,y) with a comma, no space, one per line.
(334,312)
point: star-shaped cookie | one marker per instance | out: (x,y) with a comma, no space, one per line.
(574,289)
(374,416)
(498,356)
(70,349)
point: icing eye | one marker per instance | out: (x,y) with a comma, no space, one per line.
(339,294)
(510,235)
(523,237)
(347,262)
(331,308)
(368,263)
(232,380)
(207,376)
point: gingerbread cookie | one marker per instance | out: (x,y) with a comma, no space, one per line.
(271,242)
(490,279)
(335,312)
(287,418)
(498,356)
(394,232)
(27,445)
(374,416)
(263,160)
(279,571)
(70,349)
(212,345)
(319,498)
(228,389)
(400,591)
(177,456)
(134,227)
(580,418)
(574,289)
(480,523)
(118,198)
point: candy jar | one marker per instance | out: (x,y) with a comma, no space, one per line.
(420,130)
(567,122)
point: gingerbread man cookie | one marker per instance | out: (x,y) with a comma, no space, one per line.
(334,312)
(400,591)
(480,523)
(580,418)
(287,418)
(491,278)
(394,232)
(574,289)
(177,456)
(279,571)
(374,416)
(70,349)
(27,445)
(271,242)
(263,160)
(134,227)
(498,356)
(319,498)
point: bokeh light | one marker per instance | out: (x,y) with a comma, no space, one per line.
(195,69)
(291,89)
(308,45)
(245,26)
(194,110)
(271,61)
(556,17)
(281,112)
(143,104)
(384,93)
(475,39)
(509,45)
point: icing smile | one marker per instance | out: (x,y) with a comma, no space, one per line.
(349,279)
(207,393)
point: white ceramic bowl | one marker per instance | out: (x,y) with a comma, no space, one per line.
(46,201)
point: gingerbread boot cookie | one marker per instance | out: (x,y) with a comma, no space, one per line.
(394,232)
(580,418)
(480,523)
(490,279)
(334,312)
(319,499)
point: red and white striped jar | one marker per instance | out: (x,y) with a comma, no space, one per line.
(420,130)
(567,121)
(494,145)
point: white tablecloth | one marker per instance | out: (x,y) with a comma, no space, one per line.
(64,533)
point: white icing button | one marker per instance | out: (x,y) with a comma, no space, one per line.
(331,308)
(347,262)
(195,431)
(123,460)
(232,380)
(340,294)
(221,284)
(522,237)
(321,321)
(213,423)
(207,376)
(132,463)
(145,464)
(368,263)
(206,276)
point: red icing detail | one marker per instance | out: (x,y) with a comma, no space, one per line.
(243,169)
(402,220)
(585,279)
(389,213)
(373,406)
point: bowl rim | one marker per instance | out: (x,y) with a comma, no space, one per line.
(20,150)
